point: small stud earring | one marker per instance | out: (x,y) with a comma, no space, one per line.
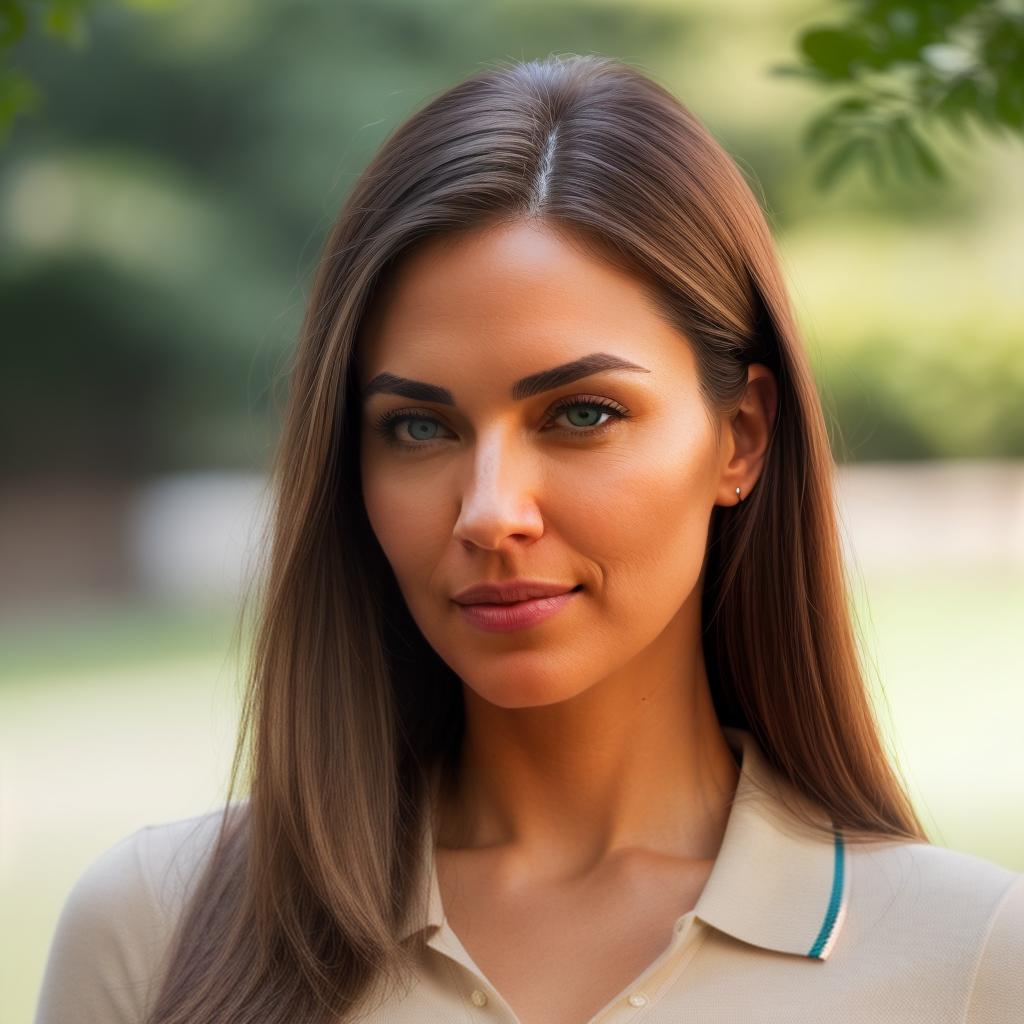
(738,498)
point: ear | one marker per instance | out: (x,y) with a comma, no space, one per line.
(745,435)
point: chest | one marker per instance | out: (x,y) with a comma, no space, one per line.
(558,953)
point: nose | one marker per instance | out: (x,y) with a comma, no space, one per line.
(498,500)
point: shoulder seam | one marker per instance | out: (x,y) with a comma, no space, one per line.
(1018,879)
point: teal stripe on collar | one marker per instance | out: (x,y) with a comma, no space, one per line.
(834,899)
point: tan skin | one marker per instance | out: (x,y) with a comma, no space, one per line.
(595,778)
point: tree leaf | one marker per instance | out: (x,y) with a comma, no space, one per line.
(833,50)
(955,106)
(874,161)
(819,129)
(900,149)
(836,164)
(926,158)
(831,121)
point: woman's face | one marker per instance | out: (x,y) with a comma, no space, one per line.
(604,483)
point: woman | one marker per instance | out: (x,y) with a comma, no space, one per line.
(556,713)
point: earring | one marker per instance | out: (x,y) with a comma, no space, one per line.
(738,498)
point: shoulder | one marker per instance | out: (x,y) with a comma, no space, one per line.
(957,917)
(998,990)
(930,876)
(117,922)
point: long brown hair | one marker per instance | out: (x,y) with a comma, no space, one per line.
(348,710)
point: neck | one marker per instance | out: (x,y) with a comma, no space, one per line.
(636,760)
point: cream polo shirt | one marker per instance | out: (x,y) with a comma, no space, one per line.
(787,930)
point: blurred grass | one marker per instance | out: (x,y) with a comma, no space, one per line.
(86,639)
(943,660)
(123,717)
(110,719)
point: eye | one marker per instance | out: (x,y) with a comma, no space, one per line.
(593,407)
(424,429)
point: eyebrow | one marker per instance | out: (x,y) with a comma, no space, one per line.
(534,384)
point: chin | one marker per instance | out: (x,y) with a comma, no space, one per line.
(520,688)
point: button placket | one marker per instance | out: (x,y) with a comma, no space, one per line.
(660,975)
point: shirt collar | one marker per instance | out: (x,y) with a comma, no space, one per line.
(773,884)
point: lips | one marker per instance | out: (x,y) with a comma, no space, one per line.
(511,591)
(516,615)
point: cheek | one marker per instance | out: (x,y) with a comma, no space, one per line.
(642,519)
(641,527)
(631,522)
(408,521)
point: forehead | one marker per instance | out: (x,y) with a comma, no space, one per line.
(504,300)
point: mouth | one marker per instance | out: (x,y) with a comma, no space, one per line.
(525,600)
(507,616)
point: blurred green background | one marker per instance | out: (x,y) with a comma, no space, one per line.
(161,207)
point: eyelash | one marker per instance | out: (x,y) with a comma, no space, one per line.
(385,423)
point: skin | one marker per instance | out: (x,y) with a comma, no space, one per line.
(594,771)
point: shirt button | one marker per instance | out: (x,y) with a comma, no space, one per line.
(638,999)
(479,997)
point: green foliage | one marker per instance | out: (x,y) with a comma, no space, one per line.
(62,19)
(18,94)
(159,223)
(890,400)
(904,66)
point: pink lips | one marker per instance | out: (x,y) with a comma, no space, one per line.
(503,618)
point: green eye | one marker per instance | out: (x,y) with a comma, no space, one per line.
(423,427)
(590,414)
